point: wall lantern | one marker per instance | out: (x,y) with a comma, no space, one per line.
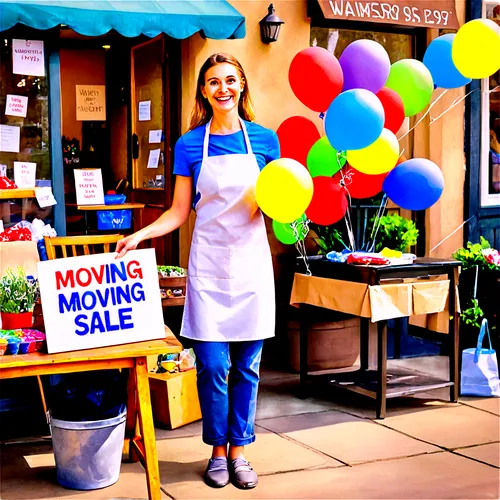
(270,26)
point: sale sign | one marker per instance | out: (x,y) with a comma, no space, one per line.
(90,102)
(25,174)
(28,57)
(98,300)
(16,105)
(88,186)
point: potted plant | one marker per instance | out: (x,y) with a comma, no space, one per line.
(18,295)
(479,288)
(395,232)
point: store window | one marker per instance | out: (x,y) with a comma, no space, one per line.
(24,121)
(490,126)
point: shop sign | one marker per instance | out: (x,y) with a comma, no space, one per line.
(90,102)
(28,57)
(25,174)
(421,13)
(88,186)
(98,300)
(16,105)
(9,138)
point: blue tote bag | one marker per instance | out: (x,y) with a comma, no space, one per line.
(479,375)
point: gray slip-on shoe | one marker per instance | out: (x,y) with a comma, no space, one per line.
(217,473)
(243,476)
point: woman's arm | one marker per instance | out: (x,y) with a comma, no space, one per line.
(169,221)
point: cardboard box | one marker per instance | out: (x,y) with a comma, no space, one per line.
(19,253)
(174,398)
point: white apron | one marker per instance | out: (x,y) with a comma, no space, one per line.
(230,283)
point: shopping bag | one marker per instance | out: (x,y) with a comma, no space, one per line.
(479,375)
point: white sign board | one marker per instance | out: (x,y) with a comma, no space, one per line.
(155,136)
(153,158)
(25,174)
(16,105)
(98,300)
(45,197)
(88,186)
(28,57)
(9,138)
(90,102)
(144,111)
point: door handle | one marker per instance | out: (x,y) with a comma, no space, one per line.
(135,146)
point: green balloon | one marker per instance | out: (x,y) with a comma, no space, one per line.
(286,234)
(323,159)
(413,82)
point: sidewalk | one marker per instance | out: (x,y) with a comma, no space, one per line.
(328,446)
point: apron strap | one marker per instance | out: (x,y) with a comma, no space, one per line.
(207,138)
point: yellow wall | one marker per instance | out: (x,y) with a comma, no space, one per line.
(267,72)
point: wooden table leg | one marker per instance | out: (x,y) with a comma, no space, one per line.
(364,342)
(131,424)
(381,368)
(453,335)
(147,429)
(304,347)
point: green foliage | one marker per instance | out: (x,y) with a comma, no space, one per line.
(328,239)
(473,315)
(17,293)
(395,232)
(472,255)
(171,271)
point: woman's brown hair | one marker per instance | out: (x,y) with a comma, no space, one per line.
(202,111)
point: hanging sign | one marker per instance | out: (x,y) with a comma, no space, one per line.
(98,300)
(88,186)
(90,102)
(25,174)
(28,57)
(16,105)
(422,13)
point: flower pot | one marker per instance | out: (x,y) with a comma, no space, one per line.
(13,321)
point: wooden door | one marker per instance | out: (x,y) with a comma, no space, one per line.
(151,136)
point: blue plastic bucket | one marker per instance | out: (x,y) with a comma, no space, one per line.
(88,454)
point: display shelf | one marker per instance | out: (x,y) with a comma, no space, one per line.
(9,194)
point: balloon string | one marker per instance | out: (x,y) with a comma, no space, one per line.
(424,115)
(451,234)
(347,216)
(380,211)
(299,242)
(457,100)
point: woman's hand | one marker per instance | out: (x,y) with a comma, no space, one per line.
(126,244)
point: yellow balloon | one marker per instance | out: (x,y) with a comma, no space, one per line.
(284,190)
(377,158)
(476,48)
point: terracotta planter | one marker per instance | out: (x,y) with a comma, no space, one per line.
(13,321)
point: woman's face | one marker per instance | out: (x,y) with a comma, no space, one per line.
(223,87)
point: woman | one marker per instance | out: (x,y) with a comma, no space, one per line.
(230,306)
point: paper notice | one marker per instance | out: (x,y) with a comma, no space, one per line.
(16,105)
(89,188)
(25,174)
(28,57)
(45,197)
(90,102)
(154,156)
(144,111)
(3,170)
(9,138)
(154,136)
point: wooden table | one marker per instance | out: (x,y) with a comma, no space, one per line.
(369,382)
(122,206)
(140,434)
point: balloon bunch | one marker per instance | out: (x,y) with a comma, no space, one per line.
(364,100)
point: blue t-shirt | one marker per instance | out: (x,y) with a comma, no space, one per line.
(189,149)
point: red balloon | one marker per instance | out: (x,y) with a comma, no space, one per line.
(358,184)
(297,135)
(316,78)
(393,108)
(329,202)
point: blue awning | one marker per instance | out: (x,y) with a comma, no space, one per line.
(177,18)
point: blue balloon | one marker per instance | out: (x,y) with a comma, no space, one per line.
(414,184)
(438,60)
(354,120)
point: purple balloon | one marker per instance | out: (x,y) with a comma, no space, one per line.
(365,65)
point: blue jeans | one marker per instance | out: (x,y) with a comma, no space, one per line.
(228,379)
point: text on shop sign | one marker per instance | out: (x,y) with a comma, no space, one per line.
(90,102)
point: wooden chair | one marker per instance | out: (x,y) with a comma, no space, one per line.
(73,246)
